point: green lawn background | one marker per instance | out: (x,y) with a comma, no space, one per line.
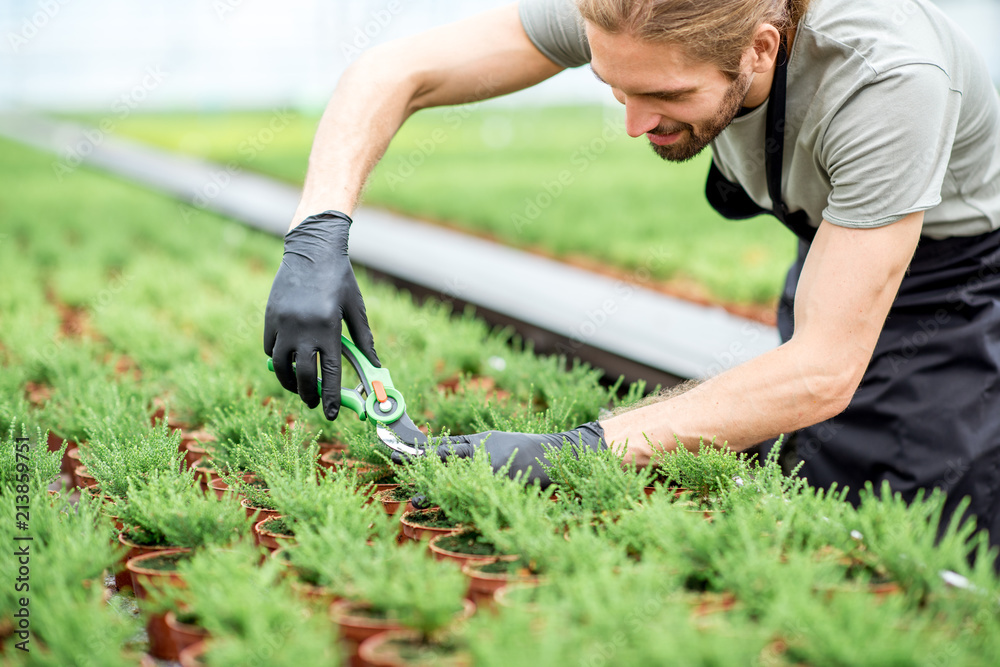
(565,181)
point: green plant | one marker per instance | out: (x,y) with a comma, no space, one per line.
(172,510)
(708,473)
(27,467)
(407,584)
(596,481)
(250,612)
(120,460)
(331,499)
(237,427)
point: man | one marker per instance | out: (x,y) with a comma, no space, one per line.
(870,129)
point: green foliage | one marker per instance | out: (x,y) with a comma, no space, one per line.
(406,583)
(27,466)
(238,427)
(119,460)
(250,613)
(174,511)
(708,473)
(596,481)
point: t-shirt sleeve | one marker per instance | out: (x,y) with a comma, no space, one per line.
(556,28)
(887,148)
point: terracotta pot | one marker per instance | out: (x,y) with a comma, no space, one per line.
(269,539)
(455,556)
(84,479)
(355,628)
(372,490)
(392,506)
(325,447)
(70,462)
(378,651)
(336,459)
(205,476)
(192,655)
(318,595)
(416,532)
(260,512)
(484,585)
(193,454)
(122,575)
(502,596)
(161,643)
(183,634)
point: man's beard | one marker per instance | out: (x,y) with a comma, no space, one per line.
(693,141)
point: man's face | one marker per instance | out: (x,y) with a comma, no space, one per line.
(679,104)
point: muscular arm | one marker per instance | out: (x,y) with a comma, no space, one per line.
(848,283)
(484,56)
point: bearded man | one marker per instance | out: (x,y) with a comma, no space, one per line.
(870,129)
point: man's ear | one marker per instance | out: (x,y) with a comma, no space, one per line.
(764,51)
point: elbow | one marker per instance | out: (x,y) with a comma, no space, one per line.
(829,389)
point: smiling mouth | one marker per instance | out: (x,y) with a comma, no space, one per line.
(664,139)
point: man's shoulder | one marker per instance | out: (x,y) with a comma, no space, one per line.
(871,38)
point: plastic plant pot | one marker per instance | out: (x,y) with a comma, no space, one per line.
(192,655)
(123,577)
(161,643)
(183,634)
(416,532)
(484,585)
(71,461)
(441,553)
(355,626)
(400,648)
(261,513)
(392,506)
(270,539)
(84,480)
(517,596)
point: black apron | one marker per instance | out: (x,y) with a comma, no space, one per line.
(927,413)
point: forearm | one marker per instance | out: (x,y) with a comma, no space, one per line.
(778,392)
(370,103)
(480,57)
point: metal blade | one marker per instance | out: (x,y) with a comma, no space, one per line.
(403,436)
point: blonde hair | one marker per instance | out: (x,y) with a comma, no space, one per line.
(713,31)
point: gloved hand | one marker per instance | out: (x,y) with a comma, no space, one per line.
(530,448)
(313,291)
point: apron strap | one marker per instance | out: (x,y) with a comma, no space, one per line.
(798,222)
(730,200)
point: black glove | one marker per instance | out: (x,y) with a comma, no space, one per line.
(314,290)
(530,448)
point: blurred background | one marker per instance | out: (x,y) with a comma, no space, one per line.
(225,54)
(212,78)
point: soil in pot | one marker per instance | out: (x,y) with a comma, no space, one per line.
(395,498)
(139,543)
(271,532)
(462,547)
(486,577)
(425,524)
(398,648)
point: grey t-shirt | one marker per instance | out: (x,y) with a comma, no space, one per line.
(890,110)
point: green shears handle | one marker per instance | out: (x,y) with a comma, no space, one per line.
(381,400)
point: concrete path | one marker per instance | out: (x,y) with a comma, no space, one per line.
(620,327)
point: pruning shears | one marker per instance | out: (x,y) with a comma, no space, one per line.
(378,400)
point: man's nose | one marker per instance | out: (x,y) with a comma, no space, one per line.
(639,117)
